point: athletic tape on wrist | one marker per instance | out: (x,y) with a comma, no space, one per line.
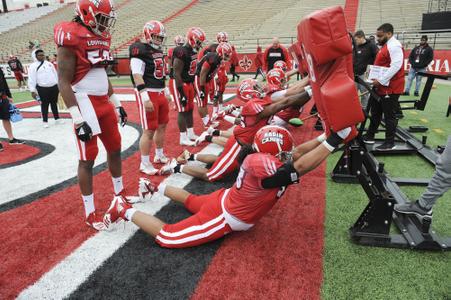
(75,114)
(329,147)
(115,100)
(321,138)
(144,96)
(308,89)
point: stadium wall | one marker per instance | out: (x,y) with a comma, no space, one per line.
(440,64)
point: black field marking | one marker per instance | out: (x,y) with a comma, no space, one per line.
(69,182)
(141,269)
(44,148)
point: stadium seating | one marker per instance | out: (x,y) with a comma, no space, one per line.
(248,22)
(19,18)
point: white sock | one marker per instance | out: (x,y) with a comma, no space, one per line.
(190,131)
(220,107)
(205,120)
(183,136)
(181,168)
(229,119)
(117,184)
(215,109)
(145,159)
(195,158)
(159,152)
(161,189)
(88,202)
(129,213)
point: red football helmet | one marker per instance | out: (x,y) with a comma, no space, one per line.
(274,140)
(99,15)
(154,34)
(281,65)
(222,37)
(276,78)
(249,89)
(179,40)
(195,37)
(224,50)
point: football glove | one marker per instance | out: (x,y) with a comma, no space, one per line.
(122,115)
(84,132)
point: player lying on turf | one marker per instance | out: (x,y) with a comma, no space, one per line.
(256,113)
(263,178)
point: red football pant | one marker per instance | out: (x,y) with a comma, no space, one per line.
(160,114)
(209,90)
(188,89)
(110,136)
(227,162)
(206,225)
(19,76)
(222,79)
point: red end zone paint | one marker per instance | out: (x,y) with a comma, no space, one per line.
(281,257)
(41,234)
(16,153)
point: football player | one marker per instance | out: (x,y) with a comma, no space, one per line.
(256,113)
(83,54)
(206,70)
(263,179)
(148,76)
(184,63)
(221,79)
(16,66)
(178,41)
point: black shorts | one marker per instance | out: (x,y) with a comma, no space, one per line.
(4,109)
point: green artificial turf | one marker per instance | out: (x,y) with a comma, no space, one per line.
(357,272)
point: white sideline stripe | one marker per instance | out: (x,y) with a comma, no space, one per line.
(64,278)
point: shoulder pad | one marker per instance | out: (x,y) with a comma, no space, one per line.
(66,34)
(137,49)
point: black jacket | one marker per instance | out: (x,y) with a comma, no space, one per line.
(421,56)
(364,55)
(4,89)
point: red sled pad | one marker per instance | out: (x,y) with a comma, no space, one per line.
(325,35)
(327,49)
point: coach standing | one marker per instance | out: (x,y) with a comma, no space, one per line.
(420,57)
(43,85)
(389,87)
(364,55)
(274,53)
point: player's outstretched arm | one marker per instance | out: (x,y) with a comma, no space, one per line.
(290,172)
(298,99)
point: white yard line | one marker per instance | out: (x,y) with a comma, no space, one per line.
(70,273)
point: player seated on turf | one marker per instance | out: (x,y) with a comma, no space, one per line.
(283,65)
(256,113)
(276,89)
(263,178)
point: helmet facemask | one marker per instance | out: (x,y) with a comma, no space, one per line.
(104,23)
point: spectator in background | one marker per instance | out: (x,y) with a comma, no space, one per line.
(17,68)
(420,57)
(274,53)
(259,63)
(233,64)
(5,99)
(43,84)
(364,55)
(389,87)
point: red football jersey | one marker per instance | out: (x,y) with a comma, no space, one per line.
(93,55)
(248,200)
(245,132)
